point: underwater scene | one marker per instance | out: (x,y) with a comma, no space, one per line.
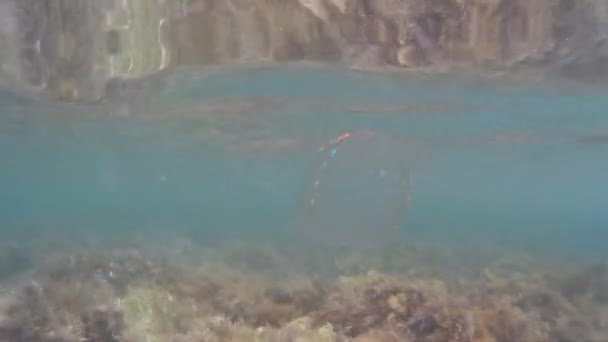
(307,203)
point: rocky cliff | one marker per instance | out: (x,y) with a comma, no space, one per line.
(406,33)
(71,49)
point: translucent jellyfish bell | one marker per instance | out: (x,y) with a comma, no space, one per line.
(357,191)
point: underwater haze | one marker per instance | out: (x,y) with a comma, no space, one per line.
(299,201)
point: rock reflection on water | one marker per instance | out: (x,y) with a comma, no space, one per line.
(357,191)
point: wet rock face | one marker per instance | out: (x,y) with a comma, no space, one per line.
(567,34)
(406,33)
(211,32)
(58,47)
(402,33)
(581,30)
(73,50)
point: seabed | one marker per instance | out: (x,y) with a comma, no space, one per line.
(163,287)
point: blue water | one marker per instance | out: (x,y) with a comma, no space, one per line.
(231,153)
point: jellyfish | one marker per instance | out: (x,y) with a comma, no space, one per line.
(356,193)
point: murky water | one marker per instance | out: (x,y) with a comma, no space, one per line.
(306,158)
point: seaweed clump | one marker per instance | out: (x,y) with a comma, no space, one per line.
(378,307)
(103,324)
(74,299)
(248,298)
(586,293)
(28,318)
